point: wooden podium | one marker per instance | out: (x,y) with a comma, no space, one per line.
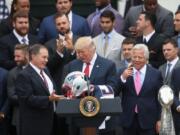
(89,125)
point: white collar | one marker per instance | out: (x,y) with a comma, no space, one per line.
(35,68)
(70,18)
(142,70)
(148,37)
(93,59)
(19,37)
(174,61)
(110,34)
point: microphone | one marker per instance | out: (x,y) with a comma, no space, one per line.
(87,79)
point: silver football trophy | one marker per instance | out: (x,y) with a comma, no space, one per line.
(165,97)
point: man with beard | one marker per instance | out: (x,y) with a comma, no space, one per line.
(78,24)
(21,57)
(19,35)
(61,51)
(94,18)
(6,26)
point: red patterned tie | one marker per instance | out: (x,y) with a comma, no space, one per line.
(86,70)
(44,79)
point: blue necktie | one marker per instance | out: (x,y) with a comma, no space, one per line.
(23,40)
(167,73)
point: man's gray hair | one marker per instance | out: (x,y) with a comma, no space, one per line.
(144,48)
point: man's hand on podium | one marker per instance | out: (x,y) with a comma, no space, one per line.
(55,97)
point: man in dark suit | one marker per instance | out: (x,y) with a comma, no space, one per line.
(101,70)
(21,57)
(36,93)
(176,104)
(146,24)
(6,26)
(163,26)
(140,84)
(3,103)
(61,49)
(20,35)
(170,51)
(78,24)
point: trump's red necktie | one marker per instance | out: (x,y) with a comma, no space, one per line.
(86,70)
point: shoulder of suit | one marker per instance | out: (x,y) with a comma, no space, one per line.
(7,39)
(48,19)
(105,61)
(3,71)
(78,17)
(136,8)
(152,69)
(162,66)
(162,10)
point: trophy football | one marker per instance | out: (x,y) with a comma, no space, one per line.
(165,97)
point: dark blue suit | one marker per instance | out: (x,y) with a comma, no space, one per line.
(7,45)
(148,105)
(175,83)
(103,71)
(48,28)
(3,101)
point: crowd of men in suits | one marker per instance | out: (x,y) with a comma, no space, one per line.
(134,56)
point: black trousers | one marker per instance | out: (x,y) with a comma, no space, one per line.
(135,129)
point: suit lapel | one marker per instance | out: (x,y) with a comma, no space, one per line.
(95,69)
(164,71)
(131,80)
(14,39)
(147,79)
(38,79)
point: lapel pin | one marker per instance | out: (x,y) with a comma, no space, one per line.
(97,66)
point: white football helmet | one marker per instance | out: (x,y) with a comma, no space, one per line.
(79,86)
(76,82)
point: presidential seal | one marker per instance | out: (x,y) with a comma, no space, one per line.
(89,106)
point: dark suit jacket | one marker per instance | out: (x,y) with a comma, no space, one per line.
(163,67)
(6,26)
(3,91)
(36,111)
(147,102)
(56,63)
(12,95)
(156,57)
(7,44)
(175,84)
(4,106)
(48,29)
(103,71)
